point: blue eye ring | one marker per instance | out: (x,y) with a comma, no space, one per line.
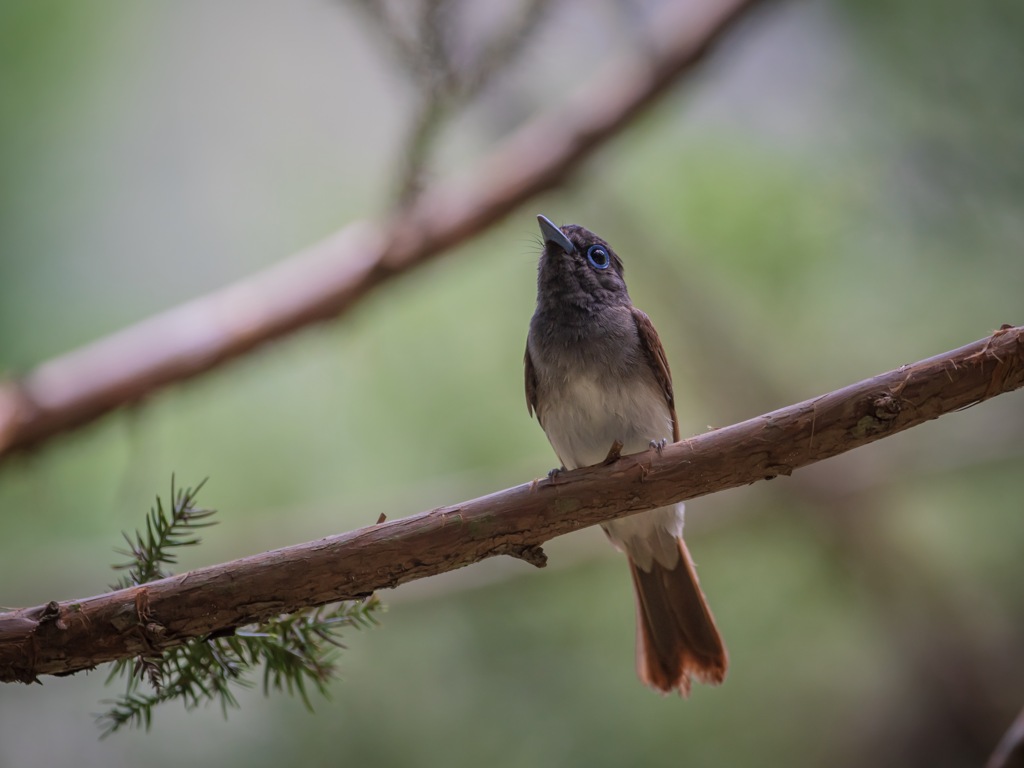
(598,256)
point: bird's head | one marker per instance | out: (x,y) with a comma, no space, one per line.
(577,265)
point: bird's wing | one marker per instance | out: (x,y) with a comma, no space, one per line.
(531,385)
(659,363)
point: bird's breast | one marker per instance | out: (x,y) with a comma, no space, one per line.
(584,414)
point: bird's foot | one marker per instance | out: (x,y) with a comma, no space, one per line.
(659,445)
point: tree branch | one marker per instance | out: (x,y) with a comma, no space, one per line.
(1009,752)
(330,277)
(60,638)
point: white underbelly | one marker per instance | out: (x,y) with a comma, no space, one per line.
(582,421)
(584,418)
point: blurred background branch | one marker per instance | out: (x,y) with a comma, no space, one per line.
(446,72)
(1010,751)
(330,277)
(75,635)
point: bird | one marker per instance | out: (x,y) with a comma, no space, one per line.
(597,376)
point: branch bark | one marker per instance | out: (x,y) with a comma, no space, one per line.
(65,637)
(330,277)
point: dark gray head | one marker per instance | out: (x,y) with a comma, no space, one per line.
(578,271)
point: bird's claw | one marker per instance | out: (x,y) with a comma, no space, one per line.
(555,472)
(659,445)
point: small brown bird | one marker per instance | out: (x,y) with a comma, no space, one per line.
(596,373)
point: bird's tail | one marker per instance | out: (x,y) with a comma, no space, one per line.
(676,634)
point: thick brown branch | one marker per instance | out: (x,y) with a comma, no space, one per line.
(59,638)
(330,277)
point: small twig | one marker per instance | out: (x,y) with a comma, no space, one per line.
(391,29)
(505,47)
(426,125)
(447,81)
(530,553)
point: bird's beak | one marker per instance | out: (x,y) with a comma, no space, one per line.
(553,234)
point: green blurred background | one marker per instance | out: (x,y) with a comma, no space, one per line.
(838,193)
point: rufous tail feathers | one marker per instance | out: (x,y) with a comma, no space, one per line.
(676,634)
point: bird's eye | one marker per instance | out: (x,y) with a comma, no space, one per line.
(598,256)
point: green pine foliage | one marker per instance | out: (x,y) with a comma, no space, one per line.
(297,651)
(166,530)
